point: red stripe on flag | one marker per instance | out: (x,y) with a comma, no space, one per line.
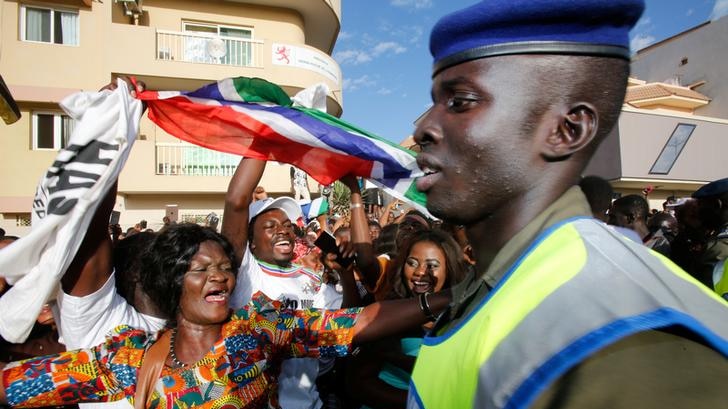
(223,129)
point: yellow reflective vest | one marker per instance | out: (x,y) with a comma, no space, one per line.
(578,288)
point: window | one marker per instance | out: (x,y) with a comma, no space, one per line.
(48,25)
(672,149)
(51,130)
(218,44)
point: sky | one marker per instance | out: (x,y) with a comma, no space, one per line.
(383,52)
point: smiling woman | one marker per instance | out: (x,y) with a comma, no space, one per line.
(215,356)
(428,261)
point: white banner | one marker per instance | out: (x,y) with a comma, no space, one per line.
(65,201)
(300,57)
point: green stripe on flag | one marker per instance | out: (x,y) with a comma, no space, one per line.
(334,121)
(260,90)
(415,195)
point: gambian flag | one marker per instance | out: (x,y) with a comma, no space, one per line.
(254,118)
(314,208)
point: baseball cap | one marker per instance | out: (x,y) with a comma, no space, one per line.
(287,204)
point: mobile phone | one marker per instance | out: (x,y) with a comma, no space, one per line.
(115,216)
(327,243)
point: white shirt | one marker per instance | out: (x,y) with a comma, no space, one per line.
(298,288)
(86,321)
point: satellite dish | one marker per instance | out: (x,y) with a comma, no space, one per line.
(216,48)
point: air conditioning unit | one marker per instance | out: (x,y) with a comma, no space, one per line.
(132,8)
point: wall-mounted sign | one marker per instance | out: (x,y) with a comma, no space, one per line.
(294,56)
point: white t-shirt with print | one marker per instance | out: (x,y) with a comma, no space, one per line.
(298,288)
(86,321)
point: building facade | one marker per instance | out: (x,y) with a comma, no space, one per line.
(673,132)
(660,146)
(695,58)
(661,153)
(50,49)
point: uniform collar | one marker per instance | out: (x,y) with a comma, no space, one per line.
(571,204)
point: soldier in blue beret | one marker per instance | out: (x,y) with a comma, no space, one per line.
(561,311)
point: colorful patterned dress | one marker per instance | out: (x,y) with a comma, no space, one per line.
(240,371)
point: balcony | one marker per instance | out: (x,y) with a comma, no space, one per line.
(180,60)
(202,48)
(175,159)
(322,19)
(182,168)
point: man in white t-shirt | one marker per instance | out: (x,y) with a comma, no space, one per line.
(89,304)
(262,235)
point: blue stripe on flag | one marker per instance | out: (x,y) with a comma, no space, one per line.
(336,138)
(210,91)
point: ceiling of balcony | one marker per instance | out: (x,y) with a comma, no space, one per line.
(321,20)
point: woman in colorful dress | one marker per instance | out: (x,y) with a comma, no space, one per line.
(217,357)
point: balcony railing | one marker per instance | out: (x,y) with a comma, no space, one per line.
(182,159)
(204,48)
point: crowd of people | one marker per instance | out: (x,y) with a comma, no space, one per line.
(690,231)
(529,286)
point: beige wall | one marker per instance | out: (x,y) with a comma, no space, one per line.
(627,155)
(606,162)
(107,48)
(20,166)
(152,208)
(644,134)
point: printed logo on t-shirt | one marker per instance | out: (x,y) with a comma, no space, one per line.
(295,304)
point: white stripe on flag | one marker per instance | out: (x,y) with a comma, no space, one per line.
(228,91)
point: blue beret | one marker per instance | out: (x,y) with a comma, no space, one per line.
(714,188)
(502,27)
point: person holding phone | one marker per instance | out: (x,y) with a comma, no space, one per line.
(261,233)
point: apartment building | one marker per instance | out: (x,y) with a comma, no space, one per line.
(50,49)
(695,58)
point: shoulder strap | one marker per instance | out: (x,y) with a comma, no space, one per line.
(151,368)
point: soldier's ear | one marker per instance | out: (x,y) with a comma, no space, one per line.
(575,129)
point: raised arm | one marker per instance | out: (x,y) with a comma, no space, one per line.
(237,199)
(92,265)
(386,217)
(366,260)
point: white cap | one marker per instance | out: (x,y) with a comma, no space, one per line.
(287,204)
(679,202)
